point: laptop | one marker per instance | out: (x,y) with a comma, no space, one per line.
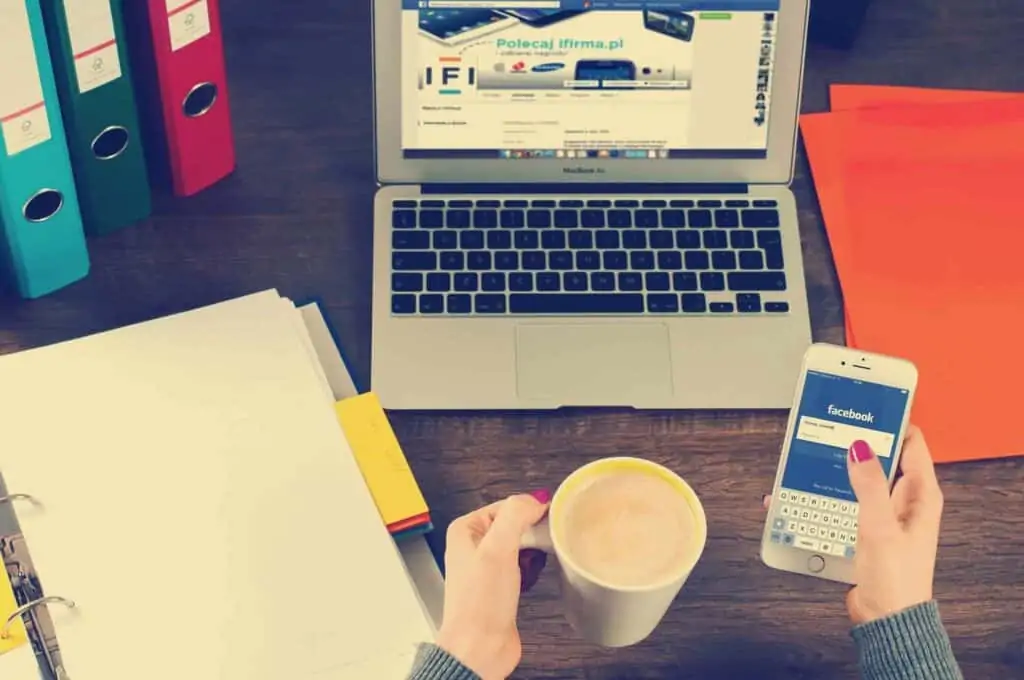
(586,203)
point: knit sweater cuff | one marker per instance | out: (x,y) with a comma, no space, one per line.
(909,645)
(433,663)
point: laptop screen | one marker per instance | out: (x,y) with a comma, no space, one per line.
(615,79)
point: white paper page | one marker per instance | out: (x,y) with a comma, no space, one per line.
(327,350)
(20,664)
(202,506)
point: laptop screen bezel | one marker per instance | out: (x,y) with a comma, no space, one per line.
(777,168)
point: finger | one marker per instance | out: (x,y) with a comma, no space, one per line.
(871,487)
(919,472)
(515,515)
(766,501)
(465,533)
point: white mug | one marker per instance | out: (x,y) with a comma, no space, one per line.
(604,614)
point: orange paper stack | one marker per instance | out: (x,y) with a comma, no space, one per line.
(920,191)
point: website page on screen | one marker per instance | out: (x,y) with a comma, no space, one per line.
(816,508)
(587,78)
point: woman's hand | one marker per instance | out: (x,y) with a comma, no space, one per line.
(897,535)
(483,582)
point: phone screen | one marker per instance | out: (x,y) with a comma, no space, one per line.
(450,23)
(816,508)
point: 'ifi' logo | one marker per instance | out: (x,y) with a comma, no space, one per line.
(449,76)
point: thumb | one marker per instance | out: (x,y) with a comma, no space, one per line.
(876,515)
(515,515)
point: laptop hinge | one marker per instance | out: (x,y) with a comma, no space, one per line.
(618,188)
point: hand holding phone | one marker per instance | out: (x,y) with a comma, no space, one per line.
(898,535)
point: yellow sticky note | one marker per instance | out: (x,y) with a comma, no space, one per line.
(16,633)
(384,465)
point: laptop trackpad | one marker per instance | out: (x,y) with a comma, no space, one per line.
(593,365)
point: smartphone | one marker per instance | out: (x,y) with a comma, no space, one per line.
(605,69)
(456,26)
(541,17)
(842,395)
(678,25)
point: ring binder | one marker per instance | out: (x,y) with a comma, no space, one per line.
(5,632)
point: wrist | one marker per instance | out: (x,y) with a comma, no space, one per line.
(474,650)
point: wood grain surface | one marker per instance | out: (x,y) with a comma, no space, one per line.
(297,216)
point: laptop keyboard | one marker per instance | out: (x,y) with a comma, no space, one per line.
(586,257)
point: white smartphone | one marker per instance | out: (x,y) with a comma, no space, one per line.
(457,26)
(842,395)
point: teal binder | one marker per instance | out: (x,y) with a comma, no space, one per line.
(97,99)
(40,225)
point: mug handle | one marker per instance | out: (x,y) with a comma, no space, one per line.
(538,537)
(534,547)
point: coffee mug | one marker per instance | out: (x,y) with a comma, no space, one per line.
(601,612)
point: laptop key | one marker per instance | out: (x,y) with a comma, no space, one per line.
(471,240)
(709,203)
(549,281)
(513,219)
(577,303)
(487,203)
(744,239)
(453,261)
(697,260)
(748,303)
(693,303)
(630,281)
(602,281)
(525,240)
(712,281)
(544,203)
(751,259)
(431,203)
(620,219)
(662,240)
(723,259)
(506,260)
(431,219)
(670,260)
(657,281)
(458,219)
(439,283)
(571,203)
(581,240)
(567,219)
(478,261)
(684,281)
(535,260)
(727,219)
(615,260)
(646,219)
(516,203)
(538,219)
(736,204)
(403,219)
(757,219)
(502,240)
(431,304)
(407,283)
(634,240)
(588,260)
(460,303)
(467,283)
(756,281)
(700,219)
(490,304)
(553,240)
(721,307)
(660,303)
(410,240)
(492,282)
(776,307)
(520,282)
(607,240)
(592,219)
(460,204)
(404,204)
(575,281)
(413,261)
(716,239)
(627,203)
(673,219)
(403,304)
(446,240)
(688,240)
(561,260)
(485,219)
(654,203)
(641,260)
(765,203)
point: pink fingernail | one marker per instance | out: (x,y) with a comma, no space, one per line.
(531,564)
(543,496)
(860,452)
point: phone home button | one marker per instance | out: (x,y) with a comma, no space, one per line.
(816,564)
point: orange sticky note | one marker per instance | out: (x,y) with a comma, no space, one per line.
(926,229)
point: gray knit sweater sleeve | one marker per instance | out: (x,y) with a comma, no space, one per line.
(910,645)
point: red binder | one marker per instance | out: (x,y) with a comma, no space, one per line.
(181,81)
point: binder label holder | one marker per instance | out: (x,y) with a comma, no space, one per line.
(93,43)
(23,120)
(188,20)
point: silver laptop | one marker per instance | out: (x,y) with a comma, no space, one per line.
(583,203)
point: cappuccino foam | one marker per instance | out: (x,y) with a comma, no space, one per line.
(629,529)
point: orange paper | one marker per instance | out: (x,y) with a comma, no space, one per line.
(927,231)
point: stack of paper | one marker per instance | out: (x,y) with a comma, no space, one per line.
(201,505)
(918,189)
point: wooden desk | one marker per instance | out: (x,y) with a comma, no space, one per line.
(297,216)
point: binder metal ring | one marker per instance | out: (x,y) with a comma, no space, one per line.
(20,497)
(5,632)
(199,100)
(43,205)
(110,143)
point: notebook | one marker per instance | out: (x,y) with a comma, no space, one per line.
(200,506)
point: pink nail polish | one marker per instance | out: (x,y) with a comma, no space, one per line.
(542,496)
(861,452)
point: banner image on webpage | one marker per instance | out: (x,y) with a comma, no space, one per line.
(489,79)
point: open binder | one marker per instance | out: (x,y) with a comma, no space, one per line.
(306,585)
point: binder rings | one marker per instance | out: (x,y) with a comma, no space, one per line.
(181,82)
(90,62)
(42,234)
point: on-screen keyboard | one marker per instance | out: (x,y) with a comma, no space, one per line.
(593,257)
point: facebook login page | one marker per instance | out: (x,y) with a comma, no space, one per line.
(587,78)
(833,413)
